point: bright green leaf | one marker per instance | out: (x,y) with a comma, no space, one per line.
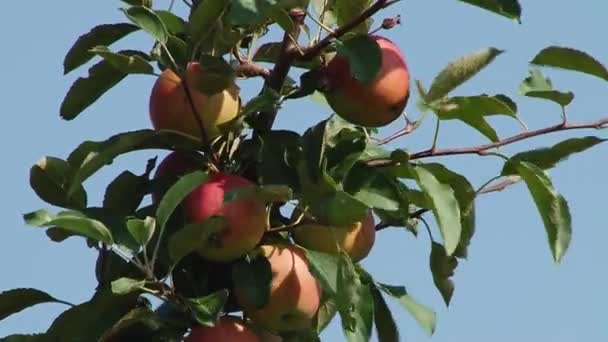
(325,268)
(423,315)
(459,71)
(72,221)
(176,194)
(142,230)
(124,286)
(205,17)
(570,59)
(127,64)
(207,310)
(539,86)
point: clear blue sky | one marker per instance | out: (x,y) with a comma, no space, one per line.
(509,290)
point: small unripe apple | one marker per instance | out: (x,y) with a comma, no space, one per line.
(295,294)
(356,239)
(375,104)
(171,109)
(245,219)
(226,329)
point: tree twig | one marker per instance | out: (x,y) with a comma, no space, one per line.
(484,149)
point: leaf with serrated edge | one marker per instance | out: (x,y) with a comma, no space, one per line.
(459,71)
(570,59)
(552,206)
(147,20)
(507,8)
(105,35)
(386,327)
(538,86)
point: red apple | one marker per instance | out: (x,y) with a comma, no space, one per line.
(356,239)
(245,220)
(375,104)
(226,329)
(295,293)
(171,109)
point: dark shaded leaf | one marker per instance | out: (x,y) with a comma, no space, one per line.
(14,301)
(104,35)
(386,327)
(207,310)
(442,268)
(347,10)
(253,278)
(507,8)
(49,178)
(423,315)
(25,338)
(270,52)
(216,75)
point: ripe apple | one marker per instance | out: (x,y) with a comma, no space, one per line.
(226,329)
(356,239)
(375,104)
(295,293)
(171,109)
(245,220)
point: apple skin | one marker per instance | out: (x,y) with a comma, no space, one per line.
(170,108)
(245,219)
(375,104)
(356,239)
(295,294)
(226,329)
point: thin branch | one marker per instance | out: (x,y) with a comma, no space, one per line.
(247,68)
(484,149)
(316,49)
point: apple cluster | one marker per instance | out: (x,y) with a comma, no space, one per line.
(295,294)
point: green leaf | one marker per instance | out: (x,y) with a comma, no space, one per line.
(105,35)
(267,100)
(276,162)
(25,338)
(253,278)
(364,57)
(386,327)
(327,311)
(549,157)
(442,268)
(341,209)
(249,12)
(355,302)
(14,301)
(473,111)
(49,178)
(174,24)
(262,193)
(270,52)
(507,8)
(72,221)
(465,195)
(282,18)
(124,286)
(459,71)
(86,90)
(141,322)
(148,21)
(145,3)
(142,230)
(423,315)
(570,59)
(444,205)
(347,10)
(127,64)
(205,17)
(216,75)
(324,267)
(191,237)
(539,86)
(126,192)
(94,317)
(552,206)
(91,156)
(176,194)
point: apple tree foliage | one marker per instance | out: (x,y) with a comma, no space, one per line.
(339,170)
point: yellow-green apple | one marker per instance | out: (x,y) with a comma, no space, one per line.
(295,293)
(226,329)
(171,109)
(356,239)
(245,219)
(377,103)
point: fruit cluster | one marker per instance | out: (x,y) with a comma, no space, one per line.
(295,294)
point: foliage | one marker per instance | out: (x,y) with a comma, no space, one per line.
(333,172)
